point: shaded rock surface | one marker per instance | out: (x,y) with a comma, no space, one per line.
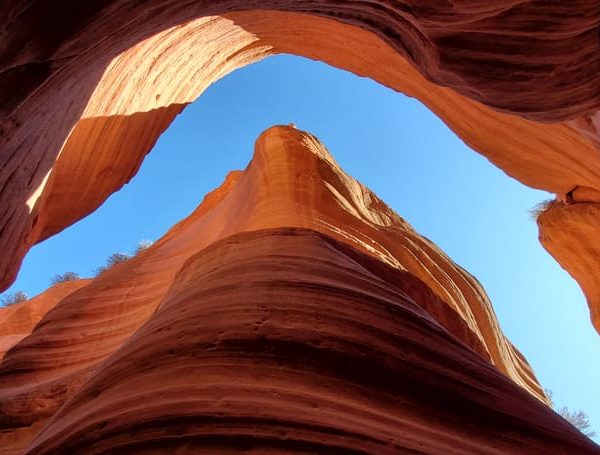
(292,311)
(18,320)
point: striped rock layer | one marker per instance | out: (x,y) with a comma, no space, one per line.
(86,88)
(292,311)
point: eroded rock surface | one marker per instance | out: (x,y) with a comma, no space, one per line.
(85,97)
(292,311)
(18,320)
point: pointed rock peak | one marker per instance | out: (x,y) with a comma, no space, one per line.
(289,140)
(295,167)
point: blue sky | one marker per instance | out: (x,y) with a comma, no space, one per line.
(398,148)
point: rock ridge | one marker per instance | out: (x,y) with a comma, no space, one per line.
(291,311)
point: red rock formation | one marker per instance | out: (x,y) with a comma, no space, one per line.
(18,320)
(570,233)
(85,97)
(292,311)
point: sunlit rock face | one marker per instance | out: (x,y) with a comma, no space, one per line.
(85,96)
(292,311)
(571,234)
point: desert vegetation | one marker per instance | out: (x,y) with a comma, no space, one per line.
(64,277)
(113,259)
(143,246)
(8,299)
(544,206)
(579,419)
(13,298)
(117,258)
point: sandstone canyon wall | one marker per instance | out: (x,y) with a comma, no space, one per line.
(86,88)
(18,320)
(292,311)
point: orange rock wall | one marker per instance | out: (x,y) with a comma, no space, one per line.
(18,320)
(291,311)
(85,98)
(277,342)
(570,234)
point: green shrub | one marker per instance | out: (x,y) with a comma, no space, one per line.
(15,297)
(544,206)
(143,246)
(578,419)
(64,277)
(113,259)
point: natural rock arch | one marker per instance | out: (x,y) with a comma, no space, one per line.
(86,96)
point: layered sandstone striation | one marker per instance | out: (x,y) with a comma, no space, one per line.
(292,311)
(570,233)
(85,97)
(18,320)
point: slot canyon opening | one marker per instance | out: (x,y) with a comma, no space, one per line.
(88,95)
(395,146)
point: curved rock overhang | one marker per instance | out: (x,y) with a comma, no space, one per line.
(85,97)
